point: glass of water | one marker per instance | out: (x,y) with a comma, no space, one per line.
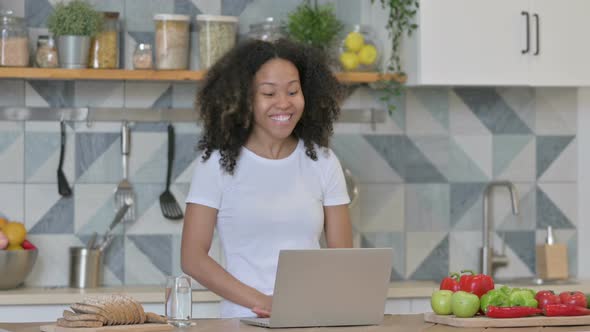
(179,301)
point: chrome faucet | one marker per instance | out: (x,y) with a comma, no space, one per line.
(489,259)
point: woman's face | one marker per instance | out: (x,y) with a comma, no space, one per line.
(278,100)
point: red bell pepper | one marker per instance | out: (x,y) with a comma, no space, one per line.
(450,283)
(478,284)
(574,298)
(511,312)
(565,310)
(546,297)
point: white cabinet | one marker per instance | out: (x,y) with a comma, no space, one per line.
(499,42)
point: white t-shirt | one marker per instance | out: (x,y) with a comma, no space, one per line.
(266,206)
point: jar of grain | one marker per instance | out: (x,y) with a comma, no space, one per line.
(14,41)
(269,30)
(46,54)
(104,47)
(217,35)
(142,56)
(172,41)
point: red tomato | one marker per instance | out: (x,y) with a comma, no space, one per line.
(546,297)
(575,298)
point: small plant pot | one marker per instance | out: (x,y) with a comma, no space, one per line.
(73,51)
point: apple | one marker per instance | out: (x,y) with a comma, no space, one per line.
(440,301)
(464,304)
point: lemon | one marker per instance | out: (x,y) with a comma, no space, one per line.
(15,232)
(14,247)
(367,55)
(354,41)
(3,222)
(349,60)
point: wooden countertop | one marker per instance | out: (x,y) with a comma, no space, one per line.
(391,323)
(155,294)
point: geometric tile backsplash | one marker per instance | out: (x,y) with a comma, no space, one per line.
(421,174)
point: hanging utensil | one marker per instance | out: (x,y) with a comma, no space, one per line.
(168,204)
(107,238)
(124,190)
(63,188)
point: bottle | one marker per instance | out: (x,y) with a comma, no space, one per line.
(14,40)
(46,54)
(104,47)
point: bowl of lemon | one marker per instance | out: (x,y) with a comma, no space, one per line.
(17,254)
(359,50)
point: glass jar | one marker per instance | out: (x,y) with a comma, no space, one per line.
(270,30)
(14,41)
(359,49)
(217,35)
(142,56)
(104,47)
(46,54)
(172,41)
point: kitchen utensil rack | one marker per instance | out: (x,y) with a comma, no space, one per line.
(102,114)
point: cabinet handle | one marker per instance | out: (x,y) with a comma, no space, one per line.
(528,32)
(537,23)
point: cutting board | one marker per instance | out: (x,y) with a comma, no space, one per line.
(482,321)
(114,328)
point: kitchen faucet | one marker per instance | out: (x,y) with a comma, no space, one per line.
(488,258)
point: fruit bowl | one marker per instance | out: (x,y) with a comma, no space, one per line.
(15,266)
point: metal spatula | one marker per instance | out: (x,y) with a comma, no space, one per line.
(62,182)
(124,192)
(168,204)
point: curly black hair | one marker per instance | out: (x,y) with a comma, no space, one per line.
(225,99)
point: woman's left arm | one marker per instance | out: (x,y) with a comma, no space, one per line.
(337,226)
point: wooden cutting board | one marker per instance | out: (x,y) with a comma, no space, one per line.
(482,321)
(114,328)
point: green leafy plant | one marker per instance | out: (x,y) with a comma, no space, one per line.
(400,21)
(314,25)
(76,18)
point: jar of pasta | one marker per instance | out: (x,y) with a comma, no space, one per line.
(104,47)
(14,41)
(217,35)
(172,41)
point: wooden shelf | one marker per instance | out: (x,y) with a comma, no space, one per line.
(154,75)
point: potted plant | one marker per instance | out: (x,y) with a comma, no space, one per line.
(73,25)
(315,25)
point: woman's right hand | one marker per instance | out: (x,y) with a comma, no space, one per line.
(264,307)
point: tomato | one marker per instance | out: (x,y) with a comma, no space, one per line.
(575,298)
(546,297)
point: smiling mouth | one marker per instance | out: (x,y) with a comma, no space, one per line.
(282,118)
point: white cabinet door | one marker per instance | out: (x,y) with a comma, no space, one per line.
(469,42)
(563,57)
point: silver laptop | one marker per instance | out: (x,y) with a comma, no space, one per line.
(329,287)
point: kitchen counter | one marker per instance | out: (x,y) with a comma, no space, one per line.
(391,323)
(155,294)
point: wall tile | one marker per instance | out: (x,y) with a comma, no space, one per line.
(427,207)
(12,197)
(139,14)
(12,92)
(12,140)
(382,207)
(99,94)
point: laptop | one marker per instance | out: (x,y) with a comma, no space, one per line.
(329,287)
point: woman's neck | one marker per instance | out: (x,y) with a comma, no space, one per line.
(275,149)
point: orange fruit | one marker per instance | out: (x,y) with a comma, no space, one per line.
(15,232)
(14,247)
(3,222)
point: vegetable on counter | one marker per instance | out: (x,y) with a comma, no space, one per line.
(552,310)
(511,312)
(450,283)
(546,297)
(440,301)
(477,284)
(464,304)
(575,298)
(508,297)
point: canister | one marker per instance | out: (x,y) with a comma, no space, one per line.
(86,267)
(217,35)
(172,41)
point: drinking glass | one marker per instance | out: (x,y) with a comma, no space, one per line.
(179,301)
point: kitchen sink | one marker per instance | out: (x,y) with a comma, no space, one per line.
(534,281)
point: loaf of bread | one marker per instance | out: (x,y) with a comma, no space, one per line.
(116,309)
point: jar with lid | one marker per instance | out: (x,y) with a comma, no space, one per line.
(217,35)
(359,49)
(269,30)
(142,56)
(104,47)
(46,54)
(172,41)
(14,40)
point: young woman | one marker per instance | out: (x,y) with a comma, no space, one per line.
(266,178)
